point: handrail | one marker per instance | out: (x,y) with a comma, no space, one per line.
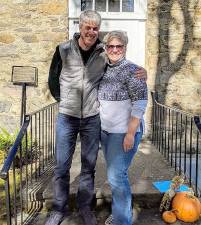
(40,110)
(196,118)
(26,162)
(177,135)
(155,98)
(13,150)
(197,122)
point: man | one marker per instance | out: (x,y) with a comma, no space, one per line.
(75,72)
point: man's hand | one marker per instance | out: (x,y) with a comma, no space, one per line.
(141,73)
(128,142)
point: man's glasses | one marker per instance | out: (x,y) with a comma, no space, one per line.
(112,47)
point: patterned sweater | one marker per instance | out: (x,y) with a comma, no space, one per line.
(121,97)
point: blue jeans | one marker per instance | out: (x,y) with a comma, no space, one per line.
(67,129)
(118,163)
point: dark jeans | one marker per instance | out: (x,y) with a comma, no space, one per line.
(67,130)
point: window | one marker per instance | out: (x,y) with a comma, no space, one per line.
(102,35)
(86,4)
(114,6)
(108,5)
(100,5)
(127,5)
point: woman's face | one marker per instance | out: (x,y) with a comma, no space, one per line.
(115,50)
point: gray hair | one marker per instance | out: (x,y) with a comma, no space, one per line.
(90,15)
(119,34)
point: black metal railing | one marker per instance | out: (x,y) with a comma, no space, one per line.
(27,160)
(177,135)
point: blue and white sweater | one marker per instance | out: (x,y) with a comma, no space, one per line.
(121,97)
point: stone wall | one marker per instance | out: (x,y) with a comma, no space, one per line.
(29,32)
(173,43)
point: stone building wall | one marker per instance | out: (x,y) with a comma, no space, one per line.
(29,32)
(173,52)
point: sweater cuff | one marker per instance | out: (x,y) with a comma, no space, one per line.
(138,108)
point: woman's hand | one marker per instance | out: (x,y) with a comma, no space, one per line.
(141,73)
(128,142)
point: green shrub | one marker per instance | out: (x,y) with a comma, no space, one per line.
(2,156)
(7,139)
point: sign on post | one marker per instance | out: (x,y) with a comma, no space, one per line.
(25,75)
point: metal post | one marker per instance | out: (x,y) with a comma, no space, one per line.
(23,104)
(8,206)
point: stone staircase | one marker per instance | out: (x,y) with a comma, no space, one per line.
(147,167)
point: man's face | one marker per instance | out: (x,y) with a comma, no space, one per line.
(89,33)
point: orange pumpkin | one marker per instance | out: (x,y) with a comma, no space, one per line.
(169,217)
(186,206)
(200,208)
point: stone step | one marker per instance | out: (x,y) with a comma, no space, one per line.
(148,166)
(142,217)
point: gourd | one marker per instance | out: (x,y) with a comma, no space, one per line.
(169,217)
(186,207)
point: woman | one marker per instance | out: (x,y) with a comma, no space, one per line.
(123,100)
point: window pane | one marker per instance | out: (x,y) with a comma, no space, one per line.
(100,5)
(102,35)
(127,5)
(114,5)
(86,5)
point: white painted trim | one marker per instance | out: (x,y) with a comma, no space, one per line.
(117,16)
(93,4)
(120,5)
(140,10)
(107,5)
(109,19)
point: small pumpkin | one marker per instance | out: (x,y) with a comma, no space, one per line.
(169,217)
(186,206)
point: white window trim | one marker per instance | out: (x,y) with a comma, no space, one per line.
(138,13)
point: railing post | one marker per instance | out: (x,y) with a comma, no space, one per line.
(8,206)
(197,122)
(153,119)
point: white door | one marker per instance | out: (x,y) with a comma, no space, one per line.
(127,15)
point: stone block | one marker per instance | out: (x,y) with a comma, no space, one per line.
(5,106)
(60,30)
(53,8)
(10,51)
(196,69)
(7,38)
(197,32)
(23,29)
(30,39)
(10,122)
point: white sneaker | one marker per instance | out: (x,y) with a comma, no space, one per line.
(109,220)
(135,215)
